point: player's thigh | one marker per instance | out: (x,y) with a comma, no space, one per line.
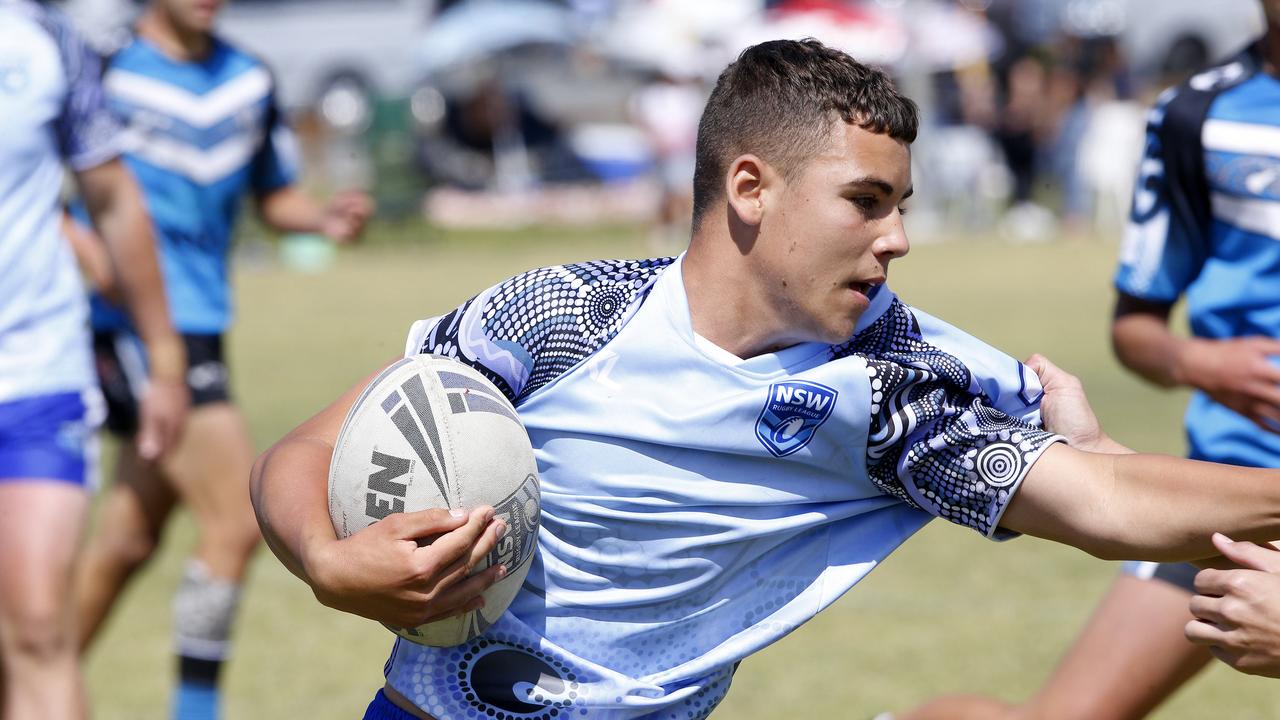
(210,467)
(1129,657)
(48,456)
(41,526)
(134,507)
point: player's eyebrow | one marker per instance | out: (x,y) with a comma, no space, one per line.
(883,186)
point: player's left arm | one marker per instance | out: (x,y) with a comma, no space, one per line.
(283,206)
(1115,504)
(116,208)
(94,259)
(342,220)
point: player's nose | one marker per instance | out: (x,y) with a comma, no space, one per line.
(892,242)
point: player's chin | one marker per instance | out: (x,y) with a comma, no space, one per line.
(842,319)
(837,328)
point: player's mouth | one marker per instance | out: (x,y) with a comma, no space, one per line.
(866,288)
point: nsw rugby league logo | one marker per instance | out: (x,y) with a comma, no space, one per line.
(793,412)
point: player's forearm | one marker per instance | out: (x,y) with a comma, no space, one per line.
(288,488)
(1143,507)
(1144,344)
(1174,505)
(91,254)
(116,209)
(292,211)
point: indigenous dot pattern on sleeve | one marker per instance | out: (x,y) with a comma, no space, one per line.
(549,319)
(935,441)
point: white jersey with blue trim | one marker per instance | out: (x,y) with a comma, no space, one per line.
(696,507)
(51,111)
(1205,224)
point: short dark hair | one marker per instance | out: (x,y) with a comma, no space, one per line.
(779,100)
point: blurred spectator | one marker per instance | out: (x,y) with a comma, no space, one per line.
(493,138)
(668,109)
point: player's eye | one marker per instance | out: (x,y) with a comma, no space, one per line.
(866,203)
(903,209)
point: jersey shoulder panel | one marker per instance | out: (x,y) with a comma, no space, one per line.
(952,438)
(1168,236)
(87,132)
(532,328)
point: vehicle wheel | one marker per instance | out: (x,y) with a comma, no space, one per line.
(345,103)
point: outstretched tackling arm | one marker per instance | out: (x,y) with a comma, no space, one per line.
(1124,506)
(380,572)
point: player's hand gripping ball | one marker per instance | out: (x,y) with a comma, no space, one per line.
(430,432)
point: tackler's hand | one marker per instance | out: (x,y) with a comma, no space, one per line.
(1238,611)
(1065,409)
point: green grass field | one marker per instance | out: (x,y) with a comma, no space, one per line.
(950,612)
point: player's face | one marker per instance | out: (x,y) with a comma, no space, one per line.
(195,16)
(831,231)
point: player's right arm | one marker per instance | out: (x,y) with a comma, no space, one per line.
(87,134)
(381,572)
(1234,372)
(116,207)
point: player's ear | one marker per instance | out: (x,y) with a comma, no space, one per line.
(745,182)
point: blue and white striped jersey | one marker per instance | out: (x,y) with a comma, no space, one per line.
(51,112)
(198,137)
(1206,224)
(697,507)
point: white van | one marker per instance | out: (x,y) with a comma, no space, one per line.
(334,56)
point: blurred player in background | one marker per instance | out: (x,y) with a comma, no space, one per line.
(1205,225)
(202,130)
(51,112)
(731,439)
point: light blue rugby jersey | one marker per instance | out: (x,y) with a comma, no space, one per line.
(198,137)
(51,111)
(1206,224)
(695,510)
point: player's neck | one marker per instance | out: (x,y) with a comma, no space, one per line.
(178,43)
(725,306)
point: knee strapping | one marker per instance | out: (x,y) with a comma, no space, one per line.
(203,611)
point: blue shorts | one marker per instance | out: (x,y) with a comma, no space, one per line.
(49,437)
(383,709)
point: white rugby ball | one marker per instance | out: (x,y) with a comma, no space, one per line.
(431,432)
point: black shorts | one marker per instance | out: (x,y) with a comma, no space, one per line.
(122,371)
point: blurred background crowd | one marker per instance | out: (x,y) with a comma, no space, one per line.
(505,113)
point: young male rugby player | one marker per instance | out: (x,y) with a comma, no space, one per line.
(731,439)
(202,130)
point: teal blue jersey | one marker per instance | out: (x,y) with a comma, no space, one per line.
(1205,225)
(199,137)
